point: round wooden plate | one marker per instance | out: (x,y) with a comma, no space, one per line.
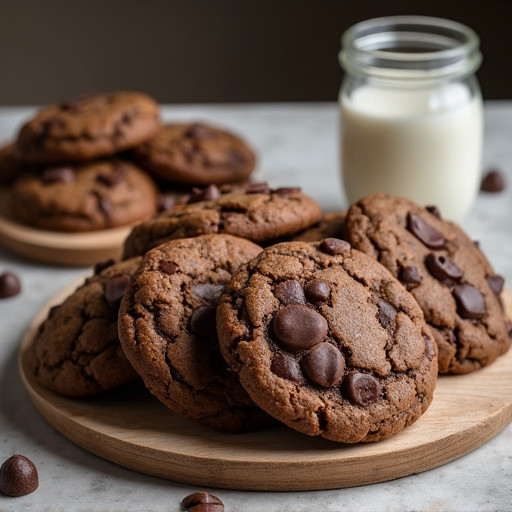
(57,247)
(134,430)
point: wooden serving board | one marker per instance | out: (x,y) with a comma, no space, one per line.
(58,247)
(134,430)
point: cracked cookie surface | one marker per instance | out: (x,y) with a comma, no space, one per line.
(254,212)
(327,341)
(76,351)
(98,195)
(446,272)
(88,127)
(167,329)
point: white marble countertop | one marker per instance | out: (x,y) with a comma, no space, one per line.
(297,144)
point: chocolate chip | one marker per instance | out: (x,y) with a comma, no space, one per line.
(286,191)
(470,301)
(203,322)
(317,291)
(443,268)
(434,210)
(290,292)
(207,507)
(493,181)
(18,476)
(114,177)
(386,314)
(496,283)
(334,246)
(298,327)
(168,267)
(209,193)
(10,285)
(199,132)
(258,188)
(208,291)
(410,277)
(115,288)
(424,232)
(323,364)
(102,265)
(166,200)
(361,388)
(285,366)
(58,175)
(200,498)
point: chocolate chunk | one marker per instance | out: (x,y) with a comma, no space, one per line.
(334,246)
(434,210)
(257,188)
(166,200)
(207,507)
(424,232)
(115,288)
(209,193)
(323,364)
(410,277)
(208,291)
(493,181)
(9,285)
(361,388)
(58,175)
(386,314)
(18,476)
(199,132)
(102,265)
(285,366)
(290,292)
(443,268)
(168,267)
(286,191)
(203,322)
(298,327)
(317,291)
(470,301)
(201,498)
(114,177)
(496,283)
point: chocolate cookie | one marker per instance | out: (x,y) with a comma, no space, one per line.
(89,127)
(329,226)
(325,339)
(447,273)
(254,212)
(76,351)
(167,329)
(196,154)
(11,165)
(97,195)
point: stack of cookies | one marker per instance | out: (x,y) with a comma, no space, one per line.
(105,160)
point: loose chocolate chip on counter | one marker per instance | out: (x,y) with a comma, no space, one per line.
(58,175)
(493,181)
(290,292)
(317,291)
(168,267)
(323,364)
(102,265)
(204,498)
(18,476)
(470,302)
(115,288)
(207,507)
(297,327)
(410,277)
(9,285)
(203,322)
(334,246)
(361,388)
(209,193)
(386,314)
(434,210)
(496,283)
(424,232)
(443,268)
(285,366)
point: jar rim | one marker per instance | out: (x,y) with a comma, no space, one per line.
(413,47)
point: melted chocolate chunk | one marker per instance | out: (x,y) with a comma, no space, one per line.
(9,285)
(334,246)
(323,364)
(470,302)
(166,200)
(58,175)
(318,291)
(434,210)
(286,191)
(361,388)
(410,277)
(443,268)
(493,181)
(209,193)
(199,132)
(208,292)
(298,327)
(290,292)
(386,314)
(258,188)
(18,476)
(285,366)
(168,267)
(115,289)
(424,232)
(102,265)
(203,322)
(114,177)
(496,283)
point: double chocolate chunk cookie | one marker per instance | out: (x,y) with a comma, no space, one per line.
(76,351)
(447,273)
(326,340)
(331,225)
(168,332)
(196,154)
(97,195)
(254,212)
(89,127)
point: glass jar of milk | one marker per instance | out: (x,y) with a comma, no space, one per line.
(411,112)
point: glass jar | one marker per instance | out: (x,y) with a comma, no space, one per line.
(411,113)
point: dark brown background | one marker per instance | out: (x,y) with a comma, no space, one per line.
(211,50)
